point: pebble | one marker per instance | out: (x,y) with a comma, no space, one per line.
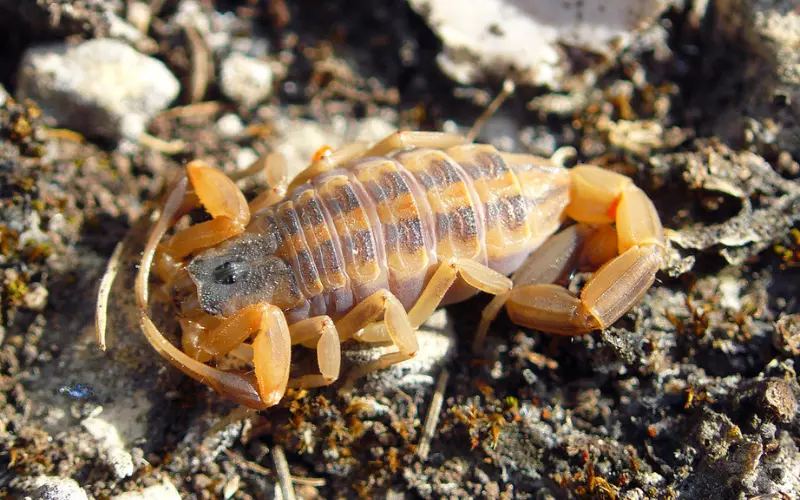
(51,488)
(246,157)
(3,96)
(164,491)
(245,80)
(778,400)
(230,125)
(298,140)
(372,130)
(113,452)
(531,39)
(100,87)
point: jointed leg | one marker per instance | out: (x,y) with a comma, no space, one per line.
(416,139)
(398,326)
(271,345)
(243,388)
(328,162)
(321,330)
(475,274)
(398,331)
(275,172)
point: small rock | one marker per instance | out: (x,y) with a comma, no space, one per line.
(535,41)
(786,337)
(298,140)
(36,298)
(140,14)
(112,450)
(230,125)
(246,80)
(126,32)
(100,87)
(778,400)
(245,157)
(164,491)
(436,344)
(3,96)
(51,488)
(373,130)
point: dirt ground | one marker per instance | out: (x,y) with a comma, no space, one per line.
(692,394)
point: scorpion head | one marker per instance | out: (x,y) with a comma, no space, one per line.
(241,271)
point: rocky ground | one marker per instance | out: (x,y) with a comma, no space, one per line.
(693,394)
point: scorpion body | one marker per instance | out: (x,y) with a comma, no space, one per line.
(383,223)
(370,241)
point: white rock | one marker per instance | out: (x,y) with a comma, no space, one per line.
(230,125)
(527,37)
(100,87)
(246,80)
(298,140)
(245,157)
(373,130)
(51,488)
(112,449)
(3,96)
(164,491)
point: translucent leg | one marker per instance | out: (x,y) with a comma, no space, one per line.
(417,139)
(321,330)
(328,162)
(273,165)
(477,275)
(398,330)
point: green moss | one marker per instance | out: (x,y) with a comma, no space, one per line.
(15,292)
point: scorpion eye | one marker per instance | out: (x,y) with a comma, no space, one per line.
(229,272)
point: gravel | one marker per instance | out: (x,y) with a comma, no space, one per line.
(101,88)
(246,80)
(534,42)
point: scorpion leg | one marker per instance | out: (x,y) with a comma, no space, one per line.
(275,171)
(597,197)
(477,275)
(328,162)
(321,330)
(320,333)
(223,200)
(416,139)
(398,331)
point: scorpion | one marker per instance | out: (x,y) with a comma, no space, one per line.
(367,242)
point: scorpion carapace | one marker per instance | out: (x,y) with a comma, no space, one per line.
(369,242)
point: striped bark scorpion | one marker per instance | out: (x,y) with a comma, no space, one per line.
(370,241)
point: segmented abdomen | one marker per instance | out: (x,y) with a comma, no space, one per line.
(386,222)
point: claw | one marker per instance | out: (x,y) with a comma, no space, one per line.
(223,200)
(218,193)
(629,264)
(239,387)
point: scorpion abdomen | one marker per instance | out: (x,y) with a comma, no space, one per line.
(387,222)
